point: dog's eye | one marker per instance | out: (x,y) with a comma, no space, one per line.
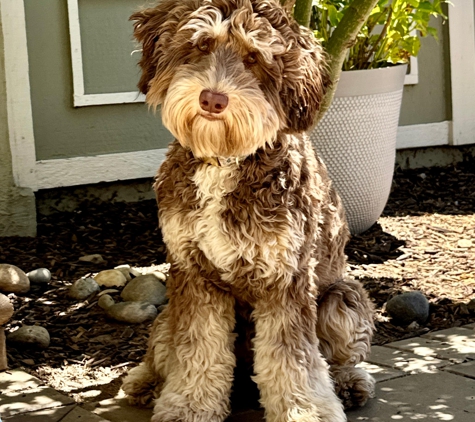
(203,46)
(251,58)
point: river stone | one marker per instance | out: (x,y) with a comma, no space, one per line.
(408,307)
(145,288)
(39,276)
(6,309)
(13,280)
(93,259)
(105,301)
(131,312)
(30,335)
(111,278)
(83,288)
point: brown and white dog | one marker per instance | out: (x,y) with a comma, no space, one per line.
(253,228)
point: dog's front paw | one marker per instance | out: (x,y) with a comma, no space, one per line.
(354,386)
(176,408)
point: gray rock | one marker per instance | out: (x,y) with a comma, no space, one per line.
(13,280)
(30,335)
(93,259)
(83,288)
(408,307)
(39,276)
(111,278)
(105,301)
(131,312)
(145,288)
(6,309)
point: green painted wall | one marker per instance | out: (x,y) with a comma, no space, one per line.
(17,205)
(61,130)
(429,100)
(64,131)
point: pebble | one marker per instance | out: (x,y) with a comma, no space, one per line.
(39,276)
(93,259)
(13,280)
(125,270)
(145,288)
(105,301)
(30,335)
(83,288)
(6,309)
(111,278)
(131,312)
(408,307)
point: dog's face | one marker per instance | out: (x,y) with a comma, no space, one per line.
(229,74)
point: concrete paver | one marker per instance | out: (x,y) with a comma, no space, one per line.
(467,369)
(404,361)
(451,349)
(55,414)
(381,373)
(440,396)
(119,410)
(416,379)
(17,380)
(31,400)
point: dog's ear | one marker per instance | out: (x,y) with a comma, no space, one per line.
(150,25)
(305,79)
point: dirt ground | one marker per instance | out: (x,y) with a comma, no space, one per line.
(422,242)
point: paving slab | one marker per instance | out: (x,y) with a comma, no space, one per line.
(453,335)
(55,414)
(15,402)
(452,350)
(404,361)
(80,415)
(381,373)
(467,369)
(438,396)
(17,380)
(119,410)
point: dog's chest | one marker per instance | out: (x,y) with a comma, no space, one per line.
(253,247)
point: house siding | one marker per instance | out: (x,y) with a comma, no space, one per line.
(60,129)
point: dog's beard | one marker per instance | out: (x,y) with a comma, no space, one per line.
(248,123)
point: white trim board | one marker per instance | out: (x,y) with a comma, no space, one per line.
(141,164)
(80,98)
(100,168)
(424,135)
(20,120)
(462,68)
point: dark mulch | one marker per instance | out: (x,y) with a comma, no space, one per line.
(420,243)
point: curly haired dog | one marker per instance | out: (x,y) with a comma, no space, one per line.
(252,226)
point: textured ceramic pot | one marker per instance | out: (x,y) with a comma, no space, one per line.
(357,141)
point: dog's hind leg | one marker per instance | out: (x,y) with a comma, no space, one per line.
(344,328)
(144,382)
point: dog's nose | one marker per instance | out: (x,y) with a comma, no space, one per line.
(213,102)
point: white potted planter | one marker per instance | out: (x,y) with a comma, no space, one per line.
(357,140)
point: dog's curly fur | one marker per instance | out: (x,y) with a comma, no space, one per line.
(250,220)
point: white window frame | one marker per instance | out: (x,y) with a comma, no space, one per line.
(80,98)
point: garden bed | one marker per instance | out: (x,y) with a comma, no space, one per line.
(422,242)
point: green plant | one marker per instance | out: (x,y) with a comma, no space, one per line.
(391,33)
(364,34)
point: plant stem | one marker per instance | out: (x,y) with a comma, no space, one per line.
(343,37)
(303,12)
